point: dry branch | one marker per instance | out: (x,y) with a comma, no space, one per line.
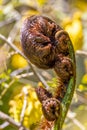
(5,117)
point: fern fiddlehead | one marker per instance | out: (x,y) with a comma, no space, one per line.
(47,46)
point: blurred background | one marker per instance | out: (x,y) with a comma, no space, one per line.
(17,80)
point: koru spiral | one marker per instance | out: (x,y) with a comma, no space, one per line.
(45,44)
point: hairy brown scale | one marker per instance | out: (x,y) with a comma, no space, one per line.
(43,94)
(51,108)
(45,45)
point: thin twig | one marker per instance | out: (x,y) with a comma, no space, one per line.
(18,71)
(5,48)
(75,121)
(80,52)
(33,69)
(16,17)
(5,117)
(24,75)
(7,21)
(25,102)
(5,90)
(12,35)
(81,97)
(5,124)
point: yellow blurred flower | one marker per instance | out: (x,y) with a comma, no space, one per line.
(84,79)
(74,28)
(1,1)
(41,2)
(30,13)
(32,112)
(18,61)
(81,4)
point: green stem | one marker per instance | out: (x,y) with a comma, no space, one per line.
(69,93)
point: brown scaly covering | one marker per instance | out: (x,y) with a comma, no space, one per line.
(45,45)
